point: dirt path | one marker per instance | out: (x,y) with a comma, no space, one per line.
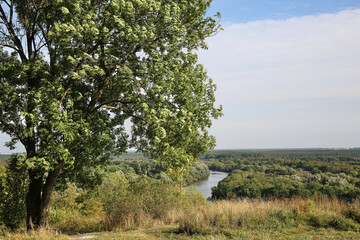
(86,236)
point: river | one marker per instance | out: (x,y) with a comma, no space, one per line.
(204,186)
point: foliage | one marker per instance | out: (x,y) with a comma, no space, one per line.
(198,172)
(286,173)
(133,164)
(12,194)
(75,210)
(120,203)
(4,158)
(2,169)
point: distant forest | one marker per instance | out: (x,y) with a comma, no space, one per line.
(287,173)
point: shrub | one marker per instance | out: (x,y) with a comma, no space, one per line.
(76,210)
(326,220)
(13,187)
(143,201)
(343,224)
(193,224)
(119,202)
(320,220)
(305,208)
(352,212)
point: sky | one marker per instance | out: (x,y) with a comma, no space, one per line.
(287,72)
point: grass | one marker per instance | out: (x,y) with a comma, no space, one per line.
(277,219)
(170,232)
(33,235)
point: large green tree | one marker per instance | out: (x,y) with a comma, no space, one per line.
(73,71)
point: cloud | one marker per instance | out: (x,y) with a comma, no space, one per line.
(298,67)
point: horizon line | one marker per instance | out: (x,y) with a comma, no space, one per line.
(249,149)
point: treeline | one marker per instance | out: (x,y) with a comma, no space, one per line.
(133,165)
(289,154)
(286,174)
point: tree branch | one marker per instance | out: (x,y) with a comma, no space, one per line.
(110,102)
(13,35)
(99,93)
(110,107)
(12,129)
(5,34)
(64,94)
(7,3)
(9,46)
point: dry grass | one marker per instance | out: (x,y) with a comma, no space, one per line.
(41,234)
(317,218)
(254,215)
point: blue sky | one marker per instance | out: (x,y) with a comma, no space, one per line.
(236,11)
(288,74)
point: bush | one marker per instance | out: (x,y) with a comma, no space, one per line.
(13,188)
(142,202)
(320,220)
(120,203)
(352,212)
(326,220)
(76,210)
(193,224)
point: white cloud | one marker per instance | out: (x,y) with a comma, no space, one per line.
(267,69)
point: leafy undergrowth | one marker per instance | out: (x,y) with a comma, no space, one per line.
(121,204)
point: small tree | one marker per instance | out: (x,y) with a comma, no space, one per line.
(79,69)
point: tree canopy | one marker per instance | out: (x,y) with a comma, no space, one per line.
(73,72)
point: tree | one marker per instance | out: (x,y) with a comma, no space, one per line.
(72,72)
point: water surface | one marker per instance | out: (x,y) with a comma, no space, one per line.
(204,186)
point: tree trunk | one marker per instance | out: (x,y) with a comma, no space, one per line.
(33,200)
(38,199)
(46,195)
